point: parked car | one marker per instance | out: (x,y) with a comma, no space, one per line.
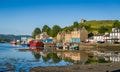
(100,42)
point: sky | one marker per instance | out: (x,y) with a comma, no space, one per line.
(21,17)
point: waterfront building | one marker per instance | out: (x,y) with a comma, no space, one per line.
(42,36)
(24,40)
(83,34)
(98,37)
(61,36)
(77,35)
(67,38)
(114,36)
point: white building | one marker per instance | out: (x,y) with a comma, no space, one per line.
(42,36)
(98,38)
(113,37)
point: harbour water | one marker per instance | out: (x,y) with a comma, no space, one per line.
(20,59)
(13,60)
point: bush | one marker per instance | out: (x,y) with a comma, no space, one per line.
(92,60)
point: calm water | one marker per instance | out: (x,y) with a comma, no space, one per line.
(11,59)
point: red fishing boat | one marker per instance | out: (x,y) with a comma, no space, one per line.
(36,45)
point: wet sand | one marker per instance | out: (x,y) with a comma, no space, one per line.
(103,67)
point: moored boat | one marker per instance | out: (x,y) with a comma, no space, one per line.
(36,45)
(13,43)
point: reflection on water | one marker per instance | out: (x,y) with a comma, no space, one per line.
(72,57)
(36,55)
(108,55)
(52,58)
(11,59)
(75,57)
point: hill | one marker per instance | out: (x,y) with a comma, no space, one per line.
(9,37)
(96,24)
(92,26)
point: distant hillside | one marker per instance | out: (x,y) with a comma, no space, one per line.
(4,36)
(92,26)
(12,37)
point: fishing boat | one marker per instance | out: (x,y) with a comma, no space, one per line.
(13,43)
(36,45)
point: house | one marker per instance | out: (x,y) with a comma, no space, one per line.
(42,36)
(77,35)
(61,36)
(107,38)
(114,36)
(67,37)
(25,40)
(83,34)
(98,38)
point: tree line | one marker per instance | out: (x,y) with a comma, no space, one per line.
(56,28)
(50,31)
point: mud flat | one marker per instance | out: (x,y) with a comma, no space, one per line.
(24,49)
(103,67)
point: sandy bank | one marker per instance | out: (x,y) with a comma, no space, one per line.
(104,67)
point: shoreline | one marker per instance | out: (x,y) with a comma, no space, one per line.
(98,67)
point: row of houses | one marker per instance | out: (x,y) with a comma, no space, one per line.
(77,35)
(112,37)
(81,35)
(65,40)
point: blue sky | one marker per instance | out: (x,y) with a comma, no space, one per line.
(21,17)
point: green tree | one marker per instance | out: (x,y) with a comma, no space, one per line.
(90,34)
(46,29)
(75,24)
(56,29)
(116,24)
(80,25)
(51,33)
(36,32)
(87,27)
(66,29)
(102,60)
(102,29)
